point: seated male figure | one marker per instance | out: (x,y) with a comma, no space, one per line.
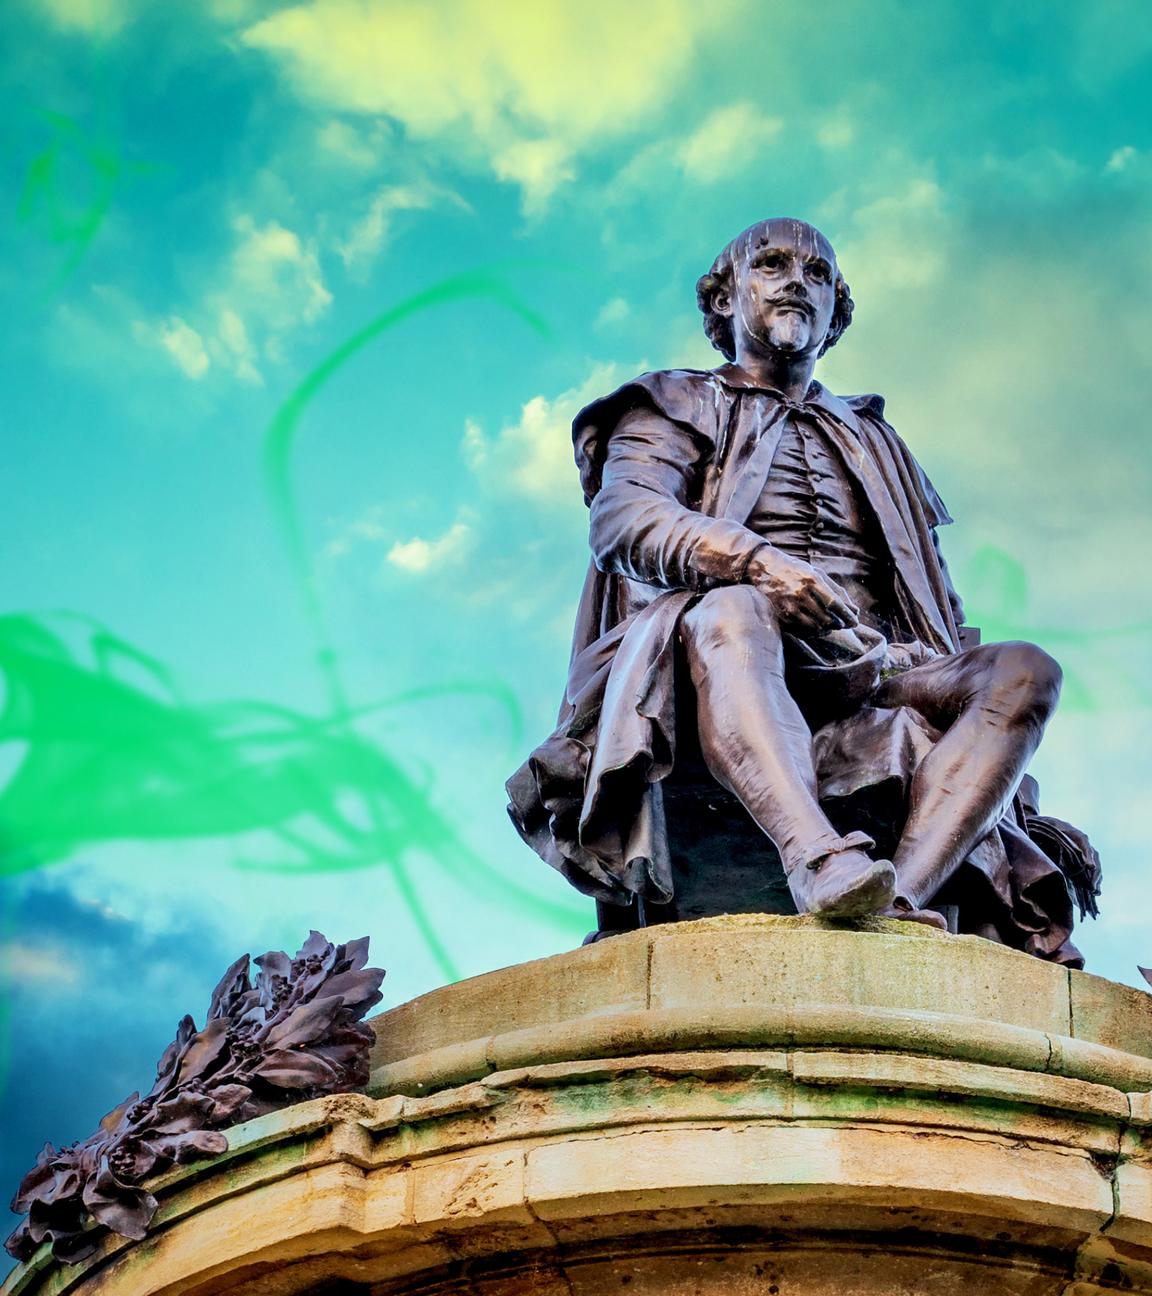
(777,545)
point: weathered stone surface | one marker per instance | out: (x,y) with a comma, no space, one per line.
(963,1079)
(1116,1016)
(776,1163)
(768,965)
(755,980)
(610,976)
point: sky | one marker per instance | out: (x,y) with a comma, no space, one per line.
(298,304)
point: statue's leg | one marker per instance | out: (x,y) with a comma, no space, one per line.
(993,703)
(756,744)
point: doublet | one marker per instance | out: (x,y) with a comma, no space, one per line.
(811,509)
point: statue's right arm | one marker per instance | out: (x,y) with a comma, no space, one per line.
(643,526)
(641,523)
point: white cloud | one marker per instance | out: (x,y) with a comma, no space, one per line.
(612,312)
(237,346)
(522,90)
(533,457)
(836,133)
(1121,158)
(983,339)
(270,283)
(182,342)
(369,234)
(897,242)
(371,527)
(725,141)
(418,555)
(539,167)
(38,966)
(275,274)
(93,17)
(359,146)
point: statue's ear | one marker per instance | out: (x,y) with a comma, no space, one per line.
(722,302)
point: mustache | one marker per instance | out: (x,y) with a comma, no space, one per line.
(794,299)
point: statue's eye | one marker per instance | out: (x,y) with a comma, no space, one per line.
(820,270)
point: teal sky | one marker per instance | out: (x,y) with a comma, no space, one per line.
(206,204)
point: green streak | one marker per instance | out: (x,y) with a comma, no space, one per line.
(279,443)
(279,440)
(69,221)
(997,600)
(100,757)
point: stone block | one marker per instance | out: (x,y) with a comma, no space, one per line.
(773,966)
(490,1184)
(1105,1012)
(1133,1195)
(387,1199)
(610,976)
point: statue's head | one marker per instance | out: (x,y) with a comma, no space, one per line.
(776,286)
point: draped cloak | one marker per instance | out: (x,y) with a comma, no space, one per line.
(669,526)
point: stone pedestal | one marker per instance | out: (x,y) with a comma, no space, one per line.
(739,1105)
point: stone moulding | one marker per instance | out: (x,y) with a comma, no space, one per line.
(830,1025)
(721,1145)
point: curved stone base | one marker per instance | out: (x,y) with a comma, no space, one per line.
(755,1105)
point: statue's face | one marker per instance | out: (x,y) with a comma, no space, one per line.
(784,289)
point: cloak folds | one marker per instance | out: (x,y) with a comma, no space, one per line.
(667,523)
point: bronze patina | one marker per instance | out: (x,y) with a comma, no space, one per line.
(773,703)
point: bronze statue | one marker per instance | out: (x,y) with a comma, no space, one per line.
(769,631)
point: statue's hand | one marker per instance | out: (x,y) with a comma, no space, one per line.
(804,598)
(900,657)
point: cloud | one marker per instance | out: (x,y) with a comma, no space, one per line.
(836,133)
(898,241)
(92,17)
(521,89)
(233,339)
(275,274)
(725,141)
(43,965)
(182,342)
(360,145)
(533,457)
(613,311)
(418,556)
(1121,158)
(270,283)
(376,527)
(982,335)
(368,235)
(539,167)
(370,528)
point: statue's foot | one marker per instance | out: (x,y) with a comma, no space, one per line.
(929,917)
(849,884)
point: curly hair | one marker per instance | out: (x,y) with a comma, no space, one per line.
(719,278)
